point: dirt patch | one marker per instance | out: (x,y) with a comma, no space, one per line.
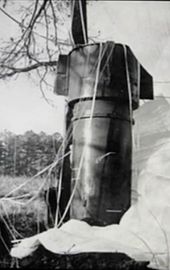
(44,259)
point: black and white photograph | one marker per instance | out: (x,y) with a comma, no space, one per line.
(85,134)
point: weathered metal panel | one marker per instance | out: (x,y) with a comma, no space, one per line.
(61,83)
(104,184)
(138,75)
(112,81)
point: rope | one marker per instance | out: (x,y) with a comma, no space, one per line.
(8,227)
(60,180)
(108,57)
(128,83)
(70,32)
(65,144)
(9,222)
(83,152)
(23,184)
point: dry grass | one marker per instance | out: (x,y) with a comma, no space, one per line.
(24,212)
(30,218)
(8,184)
(27,200)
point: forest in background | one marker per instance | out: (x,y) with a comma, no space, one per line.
(27,154)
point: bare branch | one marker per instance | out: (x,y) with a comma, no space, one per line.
(42,83)
(54,21)
(59,41)
(9,16)
(25,69)
(28,52)
(33,20)
(47,34)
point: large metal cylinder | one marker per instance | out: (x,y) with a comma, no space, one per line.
(104,180)
(110,75)
(102,136)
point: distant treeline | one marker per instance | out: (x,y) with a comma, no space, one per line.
(27,154)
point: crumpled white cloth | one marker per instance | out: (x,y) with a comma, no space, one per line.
(143,232)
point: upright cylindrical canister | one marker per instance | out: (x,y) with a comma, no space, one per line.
(101,133)
(103,83)
(104,180)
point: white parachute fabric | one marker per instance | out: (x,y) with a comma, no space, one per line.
(143,232)
(149,218)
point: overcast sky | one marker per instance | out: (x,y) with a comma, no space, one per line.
(143,25)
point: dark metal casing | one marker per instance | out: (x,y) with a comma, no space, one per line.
(113,74)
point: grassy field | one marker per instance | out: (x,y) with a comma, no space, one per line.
(25,214)
(22,208)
